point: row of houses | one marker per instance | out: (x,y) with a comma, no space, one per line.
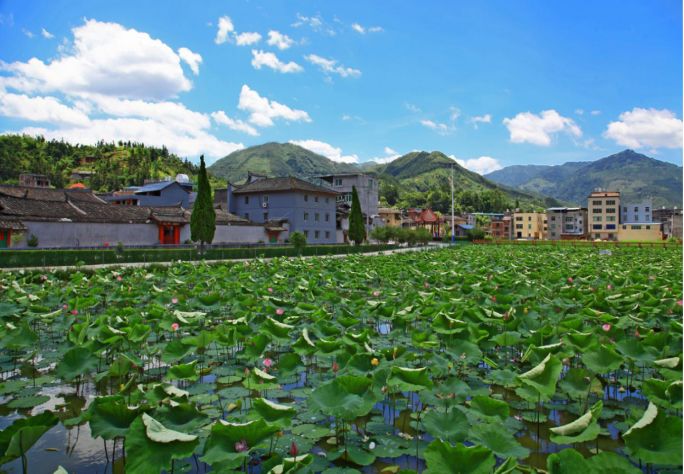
(606,217)
(262,210)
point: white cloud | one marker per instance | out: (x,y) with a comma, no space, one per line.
(646,128)
(579,111)
(412,108)
(105,58)
(595,112)
(330,66)
(389,151)
(481,165)
(225,26)
(46,34)
(279,40)
(327,150)
(220,117)
(538,129)
(316,23)
(363,30)
(263,111)
(390,155)
(193,60)
(41,109)
(441,128)
(454,114)
(248,38)
(268,59)
(486,118)
(29,34)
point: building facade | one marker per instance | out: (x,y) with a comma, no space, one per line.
(635,213)
(367,188)
(603,214)
(501,228)
(529,225)
(566,223)
(671,220)
(390,216)
(640,232)
(163,193)
(306,207)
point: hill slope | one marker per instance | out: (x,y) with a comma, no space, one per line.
(636,176)
(275,159)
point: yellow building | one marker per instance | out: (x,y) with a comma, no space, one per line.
(391,216)
(646,232)
(529,225)
(603,215)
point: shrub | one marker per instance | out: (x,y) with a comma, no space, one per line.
(298,241)
(381,234)
(32,241)
(475,234)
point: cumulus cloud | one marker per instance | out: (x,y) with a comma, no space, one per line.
(193,60)
(539,129)
(327,150)
(221,118)
(263,111)
(41,109)
(477,119)
(46,34)
(279,40)
(268,59)
(441,128)
(390,155)
(481,165)
(247,38)
(642,128)
(105,58)
(329,66)
(225,26)
(363,30)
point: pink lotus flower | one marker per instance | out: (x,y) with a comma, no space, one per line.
(570,280)
(606,327)
(74,312)
(268,363)
(610,287)
(280,311)
(636,333)
(335,367)
(270,290)
(679,302)
(118,278)
(241,446)
(494,299)
(175,327)
(426,285)
(376,293)
(174,300)
(43,278)
(65,306)
(294,450)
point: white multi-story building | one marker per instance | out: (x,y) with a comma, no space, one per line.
(566,223)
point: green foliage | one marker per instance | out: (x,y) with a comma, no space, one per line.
(475,234)
(357,229)
(32,241)
(298,241)
(203,218)
(114,165)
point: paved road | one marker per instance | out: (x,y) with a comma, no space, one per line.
(431,246)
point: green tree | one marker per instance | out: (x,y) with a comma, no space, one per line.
(380,233)
(357,231)
(298,241)
(203,219)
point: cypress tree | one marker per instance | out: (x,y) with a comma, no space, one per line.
(203,219)
(357,231)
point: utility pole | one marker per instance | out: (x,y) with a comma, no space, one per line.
(453,235)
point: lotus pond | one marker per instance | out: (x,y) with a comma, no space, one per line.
(472,359)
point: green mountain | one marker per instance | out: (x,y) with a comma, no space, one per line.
(636,176)
(273,160)
(105,166)
(422,179)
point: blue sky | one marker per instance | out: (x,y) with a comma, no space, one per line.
(490,83)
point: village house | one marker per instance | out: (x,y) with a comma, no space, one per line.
(603,214)
(566,223)
(529,225)
(176,192)
(390,216)
(433,222)
(304,206)
(367,189)
(670,220)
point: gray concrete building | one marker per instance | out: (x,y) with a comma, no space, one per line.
(636,212)
(304,206)
(566,223)
(367,188)
(162,193)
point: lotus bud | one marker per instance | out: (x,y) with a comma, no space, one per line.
(375,362)
(293,450)
(241,446)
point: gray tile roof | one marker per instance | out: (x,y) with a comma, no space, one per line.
(280,185)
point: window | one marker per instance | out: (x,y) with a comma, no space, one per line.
(518,226)
(610,226)
(518,218)
(647,209)
(624,208)
(306,216)
(317,217)
(597,227)
(596,203)
(529,226)
(338,182)
(327,234)
(553,218)
(265,216)
(624,227)
(306,198)
(327,217)
(648,227)
(597,218)
(636,227)
(597,210)
(316,234)
(597,236)
(636,208)
(327,200)
(246,199)
(610,202)
(610,218)
(306,234)
(247,215)
(370,183)
(315,198)
(264,198)
(568,219)
(610,210)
